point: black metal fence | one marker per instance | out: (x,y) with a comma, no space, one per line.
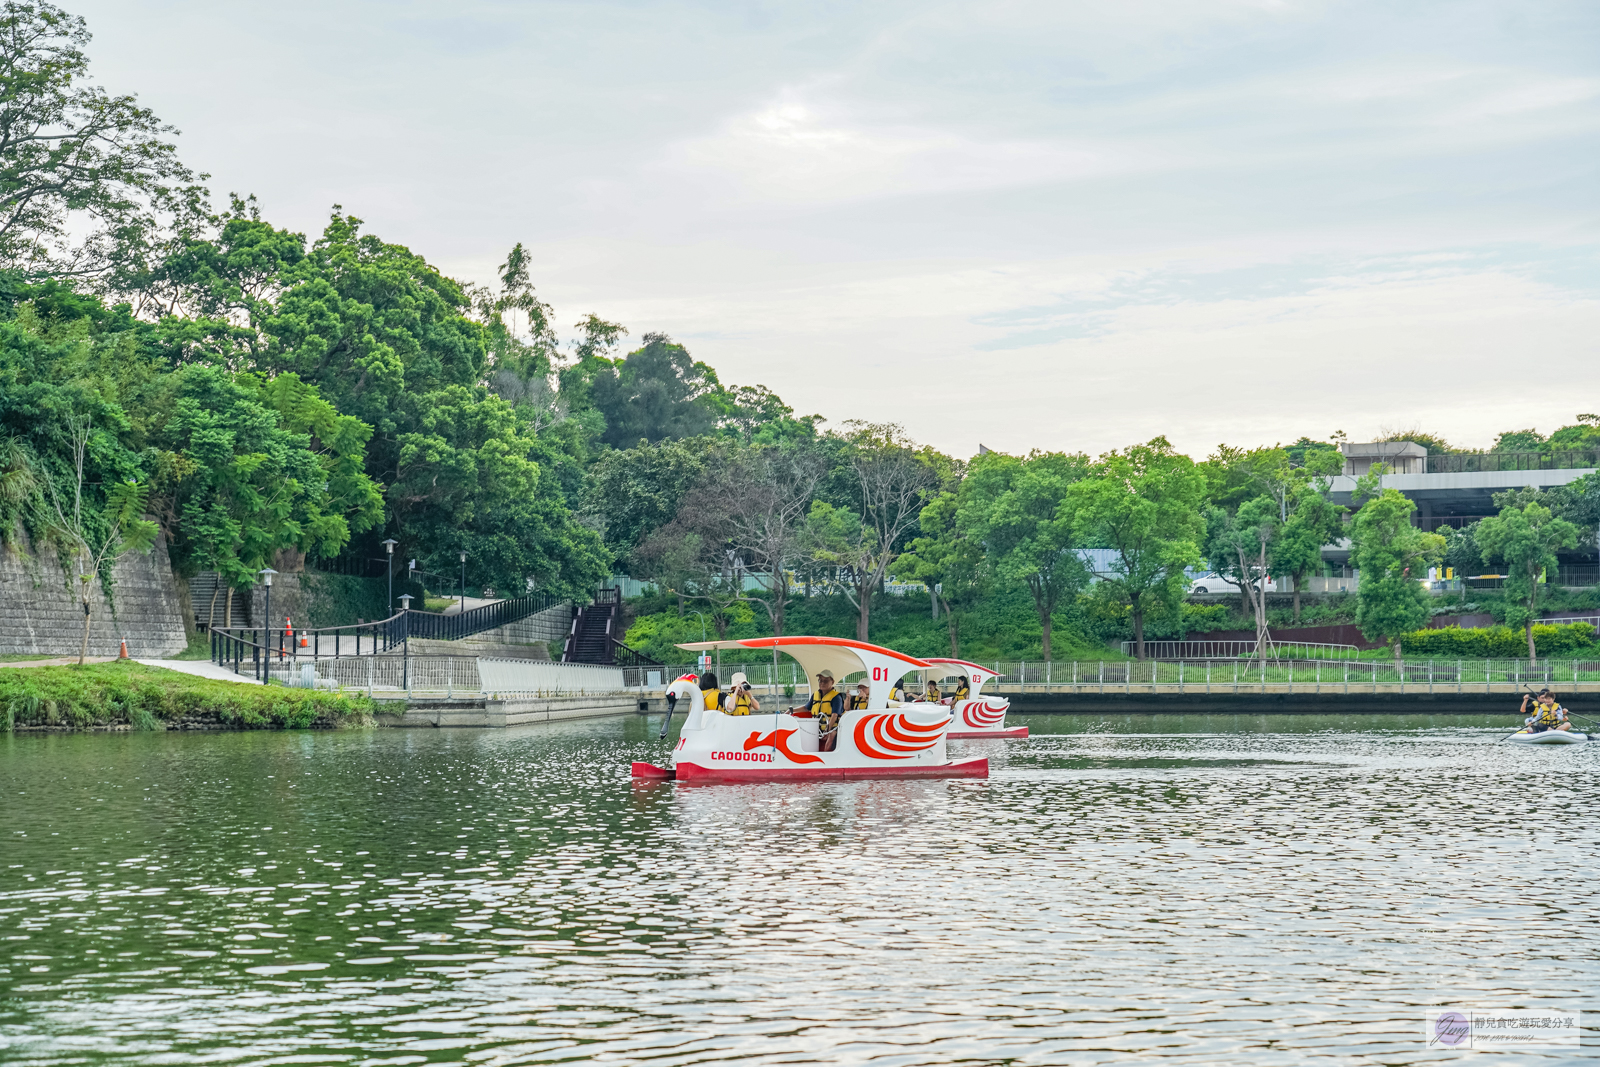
(1494,462)
(255,649)
(437,627)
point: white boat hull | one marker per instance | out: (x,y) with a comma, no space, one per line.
(903,742)
(1548,737)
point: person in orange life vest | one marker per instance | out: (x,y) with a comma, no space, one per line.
(827,707)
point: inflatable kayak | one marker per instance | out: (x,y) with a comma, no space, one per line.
(1548,737)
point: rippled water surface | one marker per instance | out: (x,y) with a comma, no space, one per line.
(1193,889)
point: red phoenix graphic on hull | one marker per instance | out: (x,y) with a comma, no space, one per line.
(779,739)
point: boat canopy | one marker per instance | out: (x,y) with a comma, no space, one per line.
(838,655)
(976,673)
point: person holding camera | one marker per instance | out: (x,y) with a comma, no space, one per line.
(741,701)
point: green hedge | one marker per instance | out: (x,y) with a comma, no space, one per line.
(1498,642)
(149,698)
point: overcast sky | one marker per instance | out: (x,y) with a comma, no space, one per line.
(1045,225)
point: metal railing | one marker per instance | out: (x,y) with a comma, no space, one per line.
(1191,675)
(255,649)
(1245,648)
(447,677)
(436,626)
(1495,462)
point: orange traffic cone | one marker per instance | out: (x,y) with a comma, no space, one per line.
(123,654)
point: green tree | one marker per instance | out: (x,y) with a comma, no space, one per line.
(1247,541)
(1311,520)
(93,542)
(635,491)
(81,171)
(951,564)
(1391,555)
(1526,538)
(657,392)
(1017,509)
(1144,502)
(1463,554)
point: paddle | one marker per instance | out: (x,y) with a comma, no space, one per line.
(672,704)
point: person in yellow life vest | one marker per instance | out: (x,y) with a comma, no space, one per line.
(1547,714)
(710,692)
(827,707)
(897,692)
(741,701)
(931,694)
(963,691)
(862,696)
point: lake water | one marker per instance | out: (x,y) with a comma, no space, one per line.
(1192,889)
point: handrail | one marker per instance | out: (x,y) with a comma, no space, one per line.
(1492,462)
(433,625)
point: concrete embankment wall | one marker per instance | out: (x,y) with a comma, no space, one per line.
(40,616)
(513,712)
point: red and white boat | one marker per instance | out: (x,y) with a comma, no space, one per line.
(774,745)
(978,715)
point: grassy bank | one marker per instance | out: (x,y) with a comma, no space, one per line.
(133,696)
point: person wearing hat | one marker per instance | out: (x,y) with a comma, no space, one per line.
(1547,714)
(740,700)
(861,697)
(827,707)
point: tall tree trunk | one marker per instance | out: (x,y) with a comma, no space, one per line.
(933,599)
(227,608)
(84,648)
(1138,631)
(864,618)
(1399,656)
(779,603)
(211,609)
(1044,628)
(1533,653)
(1297,600)
(954,626)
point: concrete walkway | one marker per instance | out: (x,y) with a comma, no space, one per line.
(200,668)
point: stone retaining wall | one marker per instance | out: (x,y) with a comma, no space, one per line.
(39,616)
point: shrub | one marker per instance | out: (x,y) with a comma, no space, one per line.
(1499,642)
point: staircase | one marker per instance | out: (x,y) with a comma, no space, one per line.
(202,585)
(594,634)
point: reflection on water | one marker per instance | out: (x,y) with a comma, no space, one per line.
(1207,889)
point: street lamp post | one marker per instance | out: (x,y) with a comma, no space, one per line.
(405,641)
(463,555)
(266,612)
(702,630)
(389,567)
